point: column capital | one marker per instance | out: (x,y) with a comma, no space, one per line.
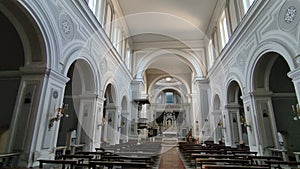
(294,74)
(101,99)
(200,80)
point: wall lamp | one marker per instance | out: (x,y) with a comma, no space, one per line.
(296,112)
(122,125)
(60,112)
(244,123)
(221,125)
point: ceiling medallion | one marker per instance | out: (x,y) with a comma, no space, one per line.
(290,14)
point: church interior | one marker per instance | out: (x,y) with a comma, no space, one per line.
(150,84)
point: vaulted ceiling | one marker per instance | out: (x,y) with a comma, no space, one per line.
(163,22)
(179,19)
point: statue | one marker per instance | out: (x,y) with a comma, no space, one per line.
(169,123)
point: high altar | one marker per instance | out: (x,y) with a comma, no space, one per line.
(170,128)
(169,122)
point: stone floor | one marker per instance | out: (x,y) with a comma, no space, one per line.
(170,159)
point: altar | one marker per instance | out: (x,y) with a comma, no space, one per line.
(169,120)
(170,133)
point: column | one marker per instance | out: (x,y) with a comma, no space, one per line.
(202,106)
(111,113)
(265,125)
(99,122)
(295,76)
(252,129)
(46,90)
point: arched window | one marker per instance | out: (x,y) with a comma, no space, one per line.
(223,29)
(108,19)
(97,7)
(127,56)
(247,4)
(92,5)
(169,97)
(210,53)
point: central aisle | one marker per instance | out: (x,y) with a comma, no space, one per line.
(171,160)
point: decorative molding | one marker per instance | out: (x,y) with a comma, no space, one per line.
(66,26)
(55,94)
(289,15)
(169,44)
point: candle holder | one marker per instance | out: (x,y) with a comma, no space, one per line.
(296,112)
(244,123)
(60,112)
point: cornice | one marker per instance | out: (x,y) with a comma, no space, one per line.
(169,44)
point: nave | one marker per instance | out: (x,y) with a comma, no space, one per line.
(80,75)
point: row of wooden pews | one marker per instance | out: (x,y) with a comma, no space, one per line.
(112,157)
(9,159)
(220,156)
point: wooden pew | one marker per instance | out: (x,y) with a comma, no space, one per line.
(228,156)
(72,163)
(96,154)
(260,160)
(60,151)
(279,164)
(124,164)
(149,160)
(194,157)
(9,159)
(82,160)
(208,166)
(201,161)
(236,152)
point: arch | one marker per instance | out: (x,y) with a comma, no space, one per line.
(30,54)
(270,80)
(32,33)
(109,82)
(263,48)
(110,94)
(235,107)
(233,92)
(124,104)
(216,103)
(185,57)
(172,88)
(81,98)
(187,88)
(77,52)
(232,87)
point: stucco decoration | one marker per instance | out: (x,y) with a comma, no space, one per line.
(289,15)
(240,62)
(66,26)
(103,65)
(55,94)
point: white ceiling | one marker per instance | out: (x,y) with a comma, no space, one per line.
(178,19)
(158,21)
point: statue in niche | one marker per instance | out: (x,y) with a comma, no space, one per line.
(169,123)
